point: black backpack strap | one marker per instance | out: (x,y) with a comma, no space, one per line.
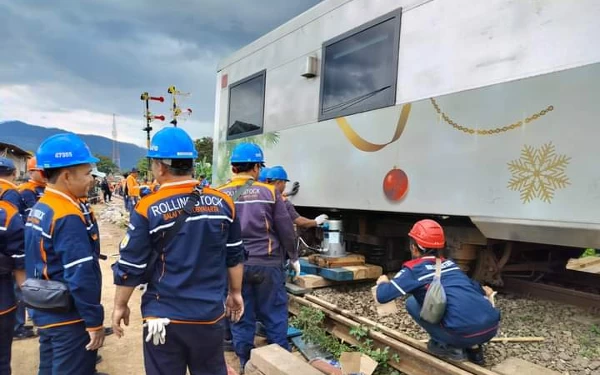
(242,189)
(161,239)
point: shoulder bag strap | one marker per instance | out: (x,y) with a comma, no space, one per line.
(438,267)
(242,189)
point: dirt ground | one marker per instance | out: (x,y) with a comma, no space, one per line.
(120,356)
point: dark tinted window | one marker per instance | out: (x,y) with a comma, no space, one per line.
(359,69)
(246,106)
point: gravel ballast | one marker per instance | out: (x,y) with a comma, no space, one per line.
(572,335)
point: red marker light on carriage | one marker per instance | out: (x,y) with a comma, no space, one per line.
(157,98)
(224,81)
(161,118)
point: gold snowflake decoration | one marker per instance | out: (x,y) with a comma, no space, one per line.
(538,173)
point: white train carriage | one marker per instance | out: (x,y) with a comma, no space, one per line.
(486,110)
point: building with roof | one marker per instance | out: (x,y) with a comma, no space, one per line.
(18,156)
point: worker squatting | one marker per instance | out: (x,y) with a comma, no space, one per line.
(216,282)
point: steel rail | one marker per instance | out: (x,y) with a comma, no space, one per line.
(414,357)
(553,293)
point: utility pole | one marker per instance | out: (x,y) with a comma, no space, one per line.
(115,149)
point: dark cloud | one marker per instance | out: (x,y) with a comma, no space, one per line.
(100,55)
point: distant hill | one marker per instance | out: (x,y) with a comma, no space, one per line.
(28,137)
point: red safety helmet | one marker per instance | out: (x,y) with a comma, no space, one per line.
(428,234)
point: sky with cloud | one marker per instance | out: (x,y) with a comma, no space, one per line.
(72,64)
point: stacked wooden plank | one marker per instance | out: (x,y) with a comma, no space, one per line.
(587,264)
(319,271)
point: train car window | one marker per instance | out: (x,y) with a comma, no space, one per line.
(360,68)
(246,106)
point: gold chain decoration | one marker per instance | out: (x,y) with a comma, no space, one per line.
(489,131)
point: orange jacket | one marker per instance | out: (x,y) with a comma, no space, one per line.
(133,188)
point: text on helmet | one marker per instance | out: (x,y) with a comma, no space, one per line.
(67,154)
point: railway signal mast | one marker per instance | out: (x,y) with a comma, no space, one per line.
(175,109)
(149,118)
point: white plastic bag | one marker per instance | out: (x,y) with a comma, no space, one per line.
(434,305)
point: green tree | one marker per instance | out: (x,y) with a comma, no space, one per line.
(106,165)
(142,166)
(204,146)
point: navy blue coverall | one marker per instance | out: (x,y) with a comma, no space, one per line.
(268,233)
(11,247)
(188,279)
(469,320)
(58,246)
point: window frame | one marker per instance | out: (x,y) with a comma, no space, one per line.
(395,14)
(262,73)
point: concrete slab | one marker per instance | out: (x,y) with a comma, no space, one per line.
(513,366)
(274,360)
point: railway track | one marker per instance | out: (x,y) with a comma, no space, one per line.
(413,354)
(553,293)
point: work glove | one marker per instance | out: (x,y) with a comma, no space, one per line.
(296,267)
(294,191)
(157,330)
(321,219)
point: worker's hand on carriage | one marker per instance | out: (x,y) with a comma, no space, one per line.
(234,307)
(294,191)
(488,291)
(382,279)
(321,219)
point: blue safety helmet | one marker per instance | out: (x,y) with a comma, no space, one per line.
(144,190)
(262,176)
(247,153)
(277,173)
(63,150)
(172,143)
(7,164)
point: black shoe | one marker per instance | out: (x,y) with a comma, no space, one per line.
(475,355)
(260,330)
(23,334)
(228,345)
(446,351)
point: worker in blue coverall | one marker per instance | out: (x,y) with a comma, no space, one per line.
(58,247)
(12,262)
(470,319)
(183,305)
(260,328)
(268,234)
(9,192)
(31,191)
